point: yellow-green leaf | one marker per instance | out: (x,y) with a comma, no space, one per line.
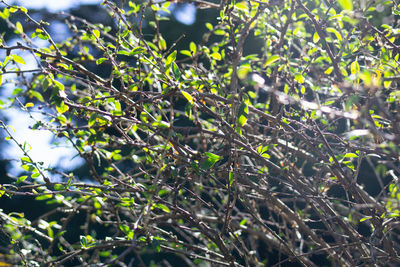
(13,9)
(270,60)
(299,78)
(329,70)
(334,31)
(188,97)
(354,67)
(62,108)
(18,59)
(315,37)
(193,48)
(96,33)
(19,27)
(59,85)
(243,114)
(346,4)
(216,56)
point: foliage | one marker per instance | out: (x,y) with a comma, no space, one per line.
(212,154)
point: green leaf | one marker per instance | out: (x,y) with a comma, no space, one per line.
(100,60)
(21,179)
(62,108)
(365,218)
(59,85)
(19,27)
(162,207)
(271,60)
(315,37)
(193,48)
(83,241)
(137,50)
(187,96)
(163,44)
(96,33)
(329,70)
(350,155)
(334,31)
(171,58)
(243,114)
(92,119)
(37,95)
(209,161)
(299,78)
(346,4)
(28,168)
(230,178)
(209,26)
(26,159)
(216,56)
(177,72)
(13,9)
(18,59)
(354,67)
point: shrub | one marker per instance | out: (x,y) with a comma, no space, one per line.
(221,153)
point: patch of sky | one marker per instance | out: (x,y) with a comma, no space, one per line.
(184,13)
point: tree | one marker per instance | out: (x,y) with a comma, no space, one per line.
(221,153)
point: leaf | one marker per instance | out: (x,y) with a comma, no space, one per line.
(334,31)
(21,179)
(271,60)
(243,114)
(18,59)
(299,78)
(96,33)
(216,56)
(92,119)
(187,96)
(193,48)
(329,70)
(162,207)
(137,50)
(365,218)
(37,95)
(59,85)
(209,161)
(171,58)
(13,9)
(25,159)
(354,67)
(346,4)
(209,26)
(163,44)
(315,37)
(62,108)
(230,178)
(177,72)
(19,27)
(100,60)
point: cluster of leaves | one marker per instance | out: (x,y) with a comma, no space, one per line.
(212,154)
